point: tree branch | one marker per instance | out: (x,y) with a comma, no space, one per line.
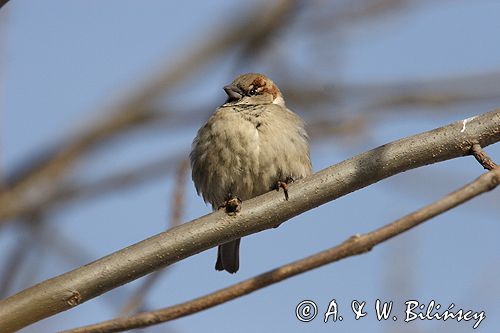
(266,211)
(93,189)
(482,157)
(41,176)
(355,245)
(135,302)
(3,2)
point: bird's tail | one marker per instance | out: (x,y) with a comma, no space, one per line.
(228,257)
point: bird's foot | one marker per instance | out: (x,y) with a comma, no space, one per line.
(231,205)
(284,185)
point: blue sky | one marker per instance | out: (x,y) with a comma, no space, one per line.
(65,61)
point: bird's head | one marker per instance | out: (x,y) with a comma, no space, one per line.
(253,88)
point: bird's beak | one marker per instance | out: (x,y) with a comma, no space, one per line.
(233,92)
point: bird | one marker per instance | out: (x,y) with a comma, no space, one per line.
(250,145)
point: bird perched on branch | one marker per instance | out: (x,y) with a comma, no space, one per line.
(250,145)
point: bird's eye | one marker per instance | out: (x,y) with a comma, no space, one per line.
(252,91)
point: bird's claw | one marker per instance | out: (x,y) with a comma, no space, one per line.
(231,205)
(284,186)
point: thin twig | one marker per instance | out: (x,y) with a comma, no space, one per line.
(3,57)
(12,265)
(108,184)
(263,212)
(482,157)
(385,97)
(44,174)
(355,245)
(177,208)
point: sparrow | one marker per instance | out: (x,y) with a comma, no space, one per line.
(252,144)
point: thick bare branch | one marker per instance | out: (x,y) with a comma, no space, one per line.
(266,211)
(355,245)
